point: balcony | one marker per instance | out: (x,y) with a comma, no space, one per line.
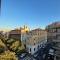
(56,40)
(57,48)
(56,33)
(57,53)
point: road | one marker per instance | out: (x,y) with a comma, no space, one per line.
(41,54)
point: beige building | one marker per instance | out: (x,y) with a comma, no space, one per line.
(35,39)
(53,37)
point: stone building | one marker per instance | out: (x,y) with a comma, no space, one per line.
(35,39)
(53,37)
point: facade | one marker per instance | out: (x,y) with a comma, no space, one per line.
(15,34)
(35,39)
(53,37)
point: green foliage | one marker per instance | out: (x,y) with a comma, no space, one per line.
(8,55)
(15,45)
(2,46)
(9,41)
(1,50)
(6,46)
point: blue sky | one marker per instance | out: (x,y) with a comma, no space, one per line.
(34,13)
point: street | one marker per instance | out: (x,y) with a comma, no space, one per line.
(41,54)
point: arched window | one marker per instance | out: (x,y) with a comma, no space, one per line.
(34,43)
(30,49)
(38,46)
(34,49)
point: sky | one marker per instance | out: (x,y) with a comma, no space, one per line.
(34,13)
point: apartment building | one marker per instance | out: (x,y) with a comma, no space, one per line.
(35,39)
(53,37)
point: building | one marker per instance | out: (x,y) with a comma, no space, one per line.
(53,37)
(18,33)
(35,39)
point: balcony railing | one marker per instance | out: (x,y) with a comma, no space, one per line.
(56,40)
(57,52)
(57,48)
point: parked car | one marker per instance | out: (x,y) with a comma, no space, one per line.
(50,57)
(35,55)
(23,55)
(51,52)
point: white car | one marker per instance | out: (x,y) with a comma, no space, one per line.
(51,52)
(35,55)
(23,55)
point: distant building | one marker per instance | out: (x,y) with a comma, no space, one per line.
(53,37)
(35,39)
(18,33)
(15,34)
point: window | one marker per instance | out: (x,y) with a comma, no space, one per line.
(34,43)
(41,45)
(54,37)
(25,45)
(54,30)
(25,40)
(38,46)
(58,30)
(26,31)
(34,39)
(38,41)
(30,49)
(38,33)
(58,36)
(34,49)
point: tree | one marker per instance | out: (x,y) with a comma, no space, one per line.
(8,55)
(2,37)
(15,45)
(2,46)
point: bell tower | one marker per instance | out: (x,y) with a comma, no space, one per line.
(26,28)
